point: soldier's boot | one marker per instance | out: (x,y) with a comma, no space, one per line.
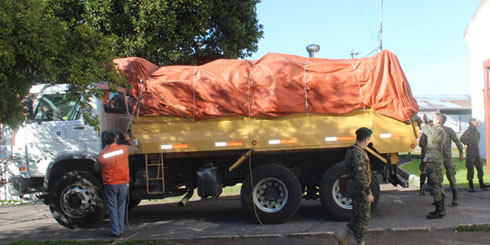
(443,208)
(439,212)
(482,185)
(422,182)
(455,197)
(472,188)
(341,236)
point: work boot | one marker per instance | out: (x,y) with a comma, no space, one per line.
(439,212)
(472,188)
(360,243)
(482,185)
(422,182)
(455,198)
(341,236)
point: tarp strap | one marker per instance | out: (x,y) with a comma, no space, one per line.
(169,103)
(249,95)
(194,91)
(306,90)
(358,84)
(137,106)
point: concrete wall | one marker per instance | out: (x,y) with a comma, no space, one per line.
(477,37)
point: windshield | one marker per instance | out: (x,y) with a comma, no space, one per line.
(57,107)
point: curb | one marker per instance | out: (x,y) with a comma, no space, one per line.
(321,233)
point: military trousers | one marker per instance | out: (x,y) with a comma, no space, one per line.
(434,177)
(473,162)
(451,173)
(361,213)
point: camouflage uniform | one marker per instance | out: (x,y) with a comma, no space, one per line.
(448,158)
(470,138)
(359,173)
(436,139)
(423,174)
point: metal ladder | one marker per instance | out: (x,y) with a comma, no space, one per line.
(159,174)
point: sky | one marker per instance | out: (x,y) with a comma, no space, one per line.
(426,36)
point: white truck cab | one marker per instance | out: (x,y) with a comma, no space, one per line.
(55,129)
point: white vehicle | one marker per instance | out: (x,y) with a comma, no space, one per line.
(55,150)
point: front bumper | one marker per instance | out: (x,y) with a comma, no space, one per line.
(19,185)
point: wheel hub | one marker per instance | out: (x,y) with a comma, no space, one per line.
(340,196)
(270,195)
(75,201)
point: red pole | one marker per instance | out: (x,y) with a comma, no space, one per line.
(486,68)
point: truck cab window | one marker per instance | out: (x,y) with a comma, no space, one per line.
(114,103)
(57,107)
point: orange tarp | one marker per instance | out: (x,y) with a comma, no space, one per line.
(275,85)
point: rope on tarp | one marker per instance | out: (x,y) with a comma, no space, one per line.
(306,90)
(194,91)
(359,85)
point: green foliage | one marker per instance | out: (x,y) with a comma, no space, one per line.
(37,47)
(170,32)
(74,42)
(461,181)
(473,228)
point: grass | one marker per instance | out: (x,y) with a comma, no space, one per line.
(413,167)
(473,228)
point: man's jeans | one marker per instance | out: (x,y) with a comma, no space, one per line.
(115,196)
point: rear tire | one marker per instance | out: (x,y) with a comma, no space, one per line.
(273,196)
(77,200)
(333,192)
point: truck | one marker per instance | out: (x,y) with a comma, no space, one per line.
(278,160)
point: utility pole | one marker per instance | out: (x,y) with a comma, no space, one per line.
(380,34)
(352,53)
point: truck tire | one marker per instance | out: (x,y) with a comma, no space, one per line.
(333,192)
(273,196)
(77,200)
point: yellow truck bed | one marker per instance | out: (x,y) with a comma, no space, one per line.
(164,134)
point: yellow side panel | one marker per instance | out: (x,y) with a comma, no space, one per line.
(292,132)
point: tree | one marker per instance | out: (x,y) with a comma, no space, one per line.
(168,32)
(37,47)
(74,41)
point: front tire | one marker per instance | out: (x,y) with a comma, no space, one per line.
(333,192)
(77,200)
(273,196)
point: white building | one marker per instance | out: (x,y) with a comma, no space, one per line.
(477,37)
(457,109)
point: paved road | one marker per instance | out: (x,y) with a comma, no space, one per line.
(223,218)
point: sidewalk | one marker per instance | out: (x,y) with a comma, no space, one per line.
(398,210)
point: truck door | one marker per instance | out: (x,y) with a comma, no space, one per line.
(57,128)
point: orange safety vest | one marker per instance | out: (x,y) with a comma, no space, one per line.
(114,163)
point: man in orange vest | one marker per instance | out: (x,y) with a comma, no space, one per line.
(114,165)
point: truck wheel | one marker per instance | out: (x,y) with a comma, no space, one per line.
(77,200)
(333,192)
(273,196)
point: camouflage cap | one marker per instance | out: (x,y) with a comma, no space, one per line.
(364,131)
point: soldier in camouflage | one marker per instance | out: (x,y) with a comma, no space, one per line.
(436,139)
(423,174)
(358,187)
(470,138)
(448,159)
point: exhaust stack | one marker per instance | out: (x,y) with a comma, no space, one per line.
(313,50)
